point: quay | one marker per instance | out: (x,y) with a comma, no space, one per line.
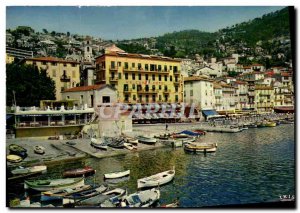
(58,151)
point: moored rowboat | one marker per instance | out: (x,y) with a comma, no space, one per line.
(14,158)
(141,199)
(17,150)
(79,172)
(146,140)
(129,146)
(192,147)
(39,150)
(58,194)
(72,198)
(117,174)
(47,185)
(98,144)
(100,198)
(156,180)
(29,170)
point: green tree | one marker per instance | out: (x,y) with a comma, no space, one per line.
(45,31)
(29,84)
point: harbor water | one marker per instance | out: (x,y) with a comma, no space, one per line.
(253,166)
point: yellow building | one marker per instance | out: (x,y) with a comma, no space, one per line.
(66,74)
(264,98)
(9,58)
(140,78)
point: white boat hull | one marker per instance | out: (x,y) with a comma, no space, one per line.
(147,140)
(205,148)
(54,187)
(117,174)
(156,180)
(29,170)
(146,198)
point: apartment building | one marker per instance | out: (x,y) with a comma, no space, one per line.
(200,91)
(65,74)
(264,98)
(140,78)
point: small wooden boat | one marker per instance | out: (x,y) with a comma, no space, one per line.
(77,196)
(200,131)
(270,124)
(287,122)
(190,133)
(175,135)
(98,144)
(17,150)
(114,201)
(187,140)
(146,140)
(117,174)
(162,137)
(71,143)
(252,125)
(129,146)
(192,147)
(58,194)
(157,179)
(171,205)
(100,198)
(47,185)
(86,171)
(29,170)
(266,124)
(39,150)
(131,140)
(14,158)
(141,199)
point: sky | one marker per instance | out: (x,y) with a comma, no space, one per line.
(117,23)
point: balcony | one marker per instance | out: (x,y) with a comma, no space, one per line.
(147,91)
(113,79)
(113,68)
(127,90)
(177,82)
(176,72)
(56,123)
(65,78)
(167,91)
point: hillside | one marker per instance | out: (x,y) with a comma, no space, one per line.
(240,38)
(267,27)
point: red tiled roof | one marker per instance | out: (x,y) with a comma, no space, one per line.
(286,74)
(51,59)
(85,88)
(241,82)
